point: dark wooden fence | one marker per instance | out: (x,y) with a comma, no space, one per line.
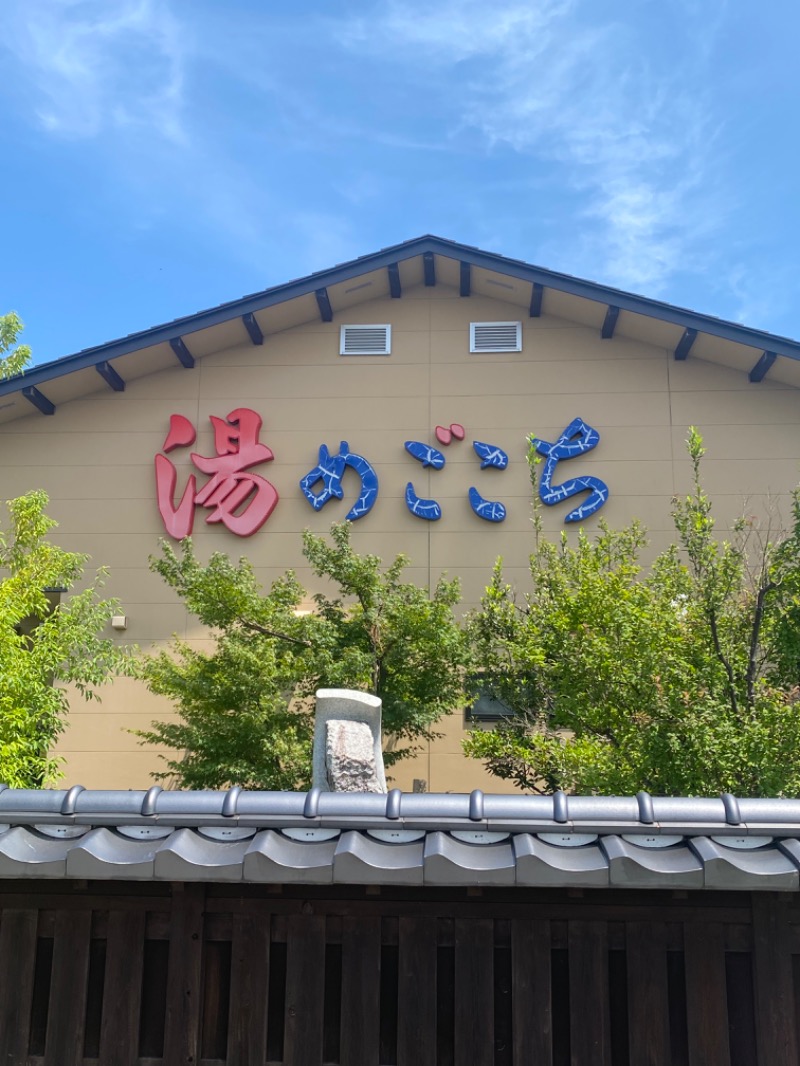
(246,975)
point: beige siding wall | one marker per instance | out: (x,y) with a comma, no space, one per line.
(95,458)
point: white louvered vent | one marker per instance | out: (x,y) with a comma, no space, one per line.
(495,336)
(365,340)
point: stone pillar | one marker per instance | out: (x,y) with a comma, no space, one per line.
(347,742)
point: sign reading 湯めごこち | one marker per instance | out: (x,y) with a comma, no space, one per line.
(243,500)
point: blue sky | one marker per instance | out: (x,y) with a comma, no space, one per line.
(163,156)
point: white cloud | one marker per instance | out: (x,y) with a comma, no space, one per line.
(95,66)
(633,144)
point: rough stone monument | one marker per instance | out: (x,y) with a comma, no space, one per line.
(347,742)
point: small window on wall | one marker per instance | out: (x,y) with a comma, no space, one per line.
(27,625)
(485,705)
(365,340)
(495,336)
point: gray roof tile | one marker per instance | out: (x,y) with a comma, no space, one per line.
(452,862)
(187,856)
(763,868)
(104,854)
(632,866)
(235,835)
(361,860)
(26,853)
(542,864)
(273,857)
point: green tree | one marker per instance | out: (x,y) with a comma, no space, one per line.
(244,713)
(14,357)
(238,723)
(45,645)
(49,636)
(679,678)
(388,636)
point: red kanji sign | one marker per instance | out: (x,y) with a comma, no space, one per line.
(230,484)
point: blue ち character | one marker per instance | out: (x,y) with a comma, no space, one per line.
(330,469)
(577,439)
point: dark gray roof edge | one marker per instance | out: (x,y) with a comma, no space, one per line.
(433,811)
(626,301)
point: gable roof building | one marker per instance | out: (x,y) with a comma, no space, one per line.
(425,345)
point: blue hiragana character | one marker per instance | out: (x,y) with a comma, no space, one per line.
(577,439)
(428,456)
(330,470)
(490,455)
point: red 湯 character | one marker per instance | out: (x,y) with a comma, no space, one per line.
(230,481)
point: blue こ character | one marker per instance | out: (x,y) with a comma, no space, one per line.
(577,439)
(428,456)
(490,455)
(330,469)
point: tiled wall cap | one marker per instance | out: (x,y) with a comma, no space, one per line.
(597,810)
(499,808)
(32,802)
(771,811)
(393,798)
(567,840)
(305,834)
(107,805)
(64,831)
(202,804)
(145,832)
(741,843)
(71,798)
(478,836)
(645,802)
(229,803)
(731,805)
(396,836)
(653,840)
(476,805)
(226,832)
(310,808)
(352,805)
(560,807)
(149,801)
(270,807)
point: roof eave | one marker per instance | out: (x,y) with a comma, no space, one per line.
(475,257)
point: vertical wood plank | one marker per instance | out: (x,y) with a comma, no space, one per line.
(122,989)
(474,1021)
(247,1022)
(706,994)
(184,987)
(589,1012)
(67,1010)
(776,1035)
(17,960)
(361,1005)
(531,993)
(648,998)
(416,999)
(305,989)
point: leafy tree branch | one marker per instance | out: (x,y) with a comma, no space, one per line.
(681,677)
